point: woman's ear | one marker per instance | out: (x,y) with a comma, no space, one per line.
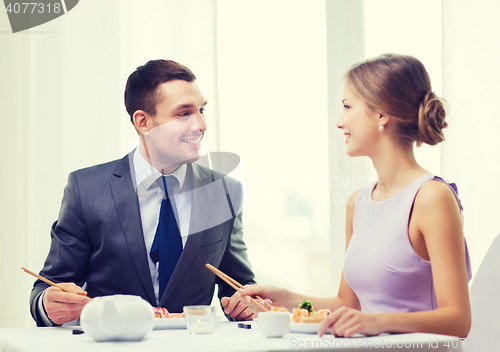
(383,119)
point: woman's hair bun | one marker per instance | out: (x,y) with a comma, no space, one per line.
(431,119)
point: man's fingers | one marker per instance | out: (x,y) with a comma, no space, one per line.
(250,317)
(225,301)
(65,297)
(57,295)
(232,304)
(66,317)
(246,314)
(73,288)
(238,310)
(61,313)
(61,306)
(237,307)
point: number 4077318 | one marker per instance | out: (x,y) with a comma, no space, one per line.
(33,7)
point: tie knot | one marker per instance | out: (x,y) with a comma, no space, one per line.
(167,183)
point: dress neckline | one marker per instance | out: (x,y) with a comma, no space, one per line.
(394,195)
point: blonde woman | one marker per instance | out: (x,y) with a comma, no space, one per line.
(406,264)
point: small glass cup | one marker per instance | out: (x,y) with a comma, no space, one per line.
(200,319)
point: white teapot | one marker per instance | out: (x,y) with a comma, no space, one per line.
(117,318)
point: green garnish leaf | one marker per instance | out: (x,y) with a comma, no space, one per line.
(307,305)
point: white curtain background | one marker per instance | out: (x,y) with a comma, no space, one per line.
(345,34)
(471,76)
(275,69)
(268,52)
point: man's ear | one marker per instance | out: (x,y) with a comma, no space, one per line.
(141,121)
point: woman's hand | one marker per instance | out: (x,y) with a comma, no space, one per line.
(270,294)
(347,321)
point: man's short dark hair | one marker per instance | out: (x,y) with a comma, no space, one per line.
(141,91)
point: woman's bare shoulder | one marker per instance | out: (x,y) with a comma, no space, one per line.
(351,199)
(434,194)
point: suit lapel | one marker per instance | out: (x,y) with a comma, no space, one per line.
(127,207)
(200,205)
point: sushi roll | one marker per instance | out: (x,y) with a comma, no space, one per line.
(298,314)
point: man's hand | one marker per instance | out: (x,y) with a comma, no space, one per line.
(236,307)
(62,307)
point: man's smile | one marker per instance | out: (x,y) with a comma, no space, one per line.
(193,141)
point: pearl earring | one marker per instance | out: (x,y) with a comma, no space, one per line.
(381,128)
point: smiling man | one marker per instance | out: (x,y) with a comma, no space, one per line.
(147,224)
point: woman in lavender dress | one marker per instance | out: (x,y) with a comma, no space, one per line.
(406,265)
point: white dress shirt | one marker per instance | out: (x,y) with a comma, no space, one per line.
(150,195)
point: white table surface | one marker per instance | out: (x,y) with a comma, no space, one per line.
(226,337)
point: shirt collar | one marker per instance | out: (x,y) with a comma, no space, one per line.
(147,175)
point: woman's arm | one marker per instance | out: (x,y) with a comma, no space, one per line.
(436,217)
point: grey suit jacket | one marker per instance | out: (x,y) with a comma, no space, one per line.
(98,239)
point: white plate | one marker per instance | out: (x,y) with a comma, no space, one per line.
(306,328)
(170,323)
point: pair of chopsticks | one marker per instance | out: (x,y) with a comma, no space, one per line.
(48,281)
(230,281)
(235,284)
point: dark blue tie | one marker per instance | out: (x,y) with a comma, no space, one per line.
(167,245)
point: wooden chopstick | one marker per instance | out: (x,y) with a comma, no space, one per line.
(48,281)
(220,274)
(224,275)
(233,283)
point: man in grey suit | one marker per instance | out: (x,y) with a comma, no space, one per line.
(108,224)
